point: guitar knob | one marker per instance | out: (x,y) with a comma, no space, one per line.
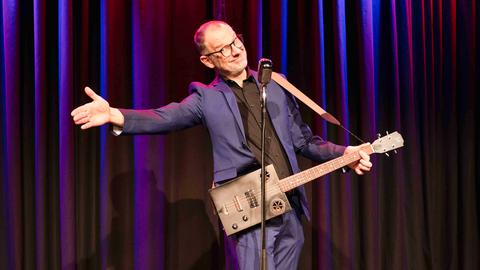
(245,218)
(234,226)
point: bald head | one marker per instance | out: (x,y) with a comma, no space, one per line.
(199,37)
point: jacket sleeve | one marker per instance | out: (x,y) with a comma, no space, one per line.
(163,120)
(305,143)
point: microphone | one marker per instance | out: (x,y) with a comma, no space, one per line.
(264,71)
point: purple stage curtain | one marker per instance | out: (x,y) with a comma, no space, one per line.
(72,199)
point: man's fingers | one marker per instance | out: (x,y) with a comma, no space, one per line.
(76,111)
(91,93)
(82,121)
(366,163)
(83,108)
(359,171)
(364,155)
(364,168)
(80,115)
(363,164)
(87,125)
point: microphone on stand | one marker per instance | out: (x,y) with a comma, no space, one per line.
(264,76)
(264,71)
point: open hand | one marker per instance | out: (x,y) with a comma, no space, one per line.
(95,113)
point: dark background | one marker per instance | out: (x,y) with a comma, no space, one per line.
(75,199)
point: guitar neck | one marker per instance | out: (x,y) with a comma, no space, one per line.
(313,173)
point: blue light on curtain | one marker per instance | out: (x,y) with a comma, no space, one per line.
(260,29)
(104,161)
(284,36)
(322,189)
(10,133)
(149,76)
(79,199)
(40,136)
(66,168)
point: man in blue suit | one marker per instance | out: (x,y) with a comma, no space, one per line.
(229,107)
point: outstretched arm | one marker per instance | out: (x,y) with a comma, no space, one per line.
(96,113)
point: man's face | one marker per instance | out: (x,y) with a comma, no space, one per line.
(223,36)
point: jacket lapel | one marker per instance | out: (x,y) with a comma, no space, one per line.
(231,101)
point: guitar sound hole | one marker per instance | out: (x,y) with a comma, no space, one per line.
(277,206)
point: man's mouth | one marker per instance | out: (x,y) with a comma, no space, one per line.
(235,60)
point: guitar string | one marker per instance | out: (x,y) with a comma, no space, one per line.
(296,176)
(289,184)
(296,179)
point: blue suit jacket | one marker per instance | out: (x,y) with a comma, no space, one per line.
(215,106)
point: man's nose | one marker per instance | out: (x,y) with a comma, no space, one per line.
(236,51)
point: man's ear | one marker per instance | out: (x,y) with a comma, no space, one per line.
(206,61)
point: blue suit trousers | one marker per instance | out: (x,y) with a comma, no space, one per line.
(284,242)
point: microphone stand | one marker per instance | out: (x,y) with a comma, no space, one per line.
(263,103)
(264,76)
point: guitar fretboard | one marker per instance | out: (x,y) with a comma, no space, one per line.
(308,175)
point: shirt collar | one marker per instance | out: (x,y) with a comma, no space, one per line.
(250,77)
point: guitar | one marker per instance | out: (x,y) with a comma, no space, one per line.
(237,202)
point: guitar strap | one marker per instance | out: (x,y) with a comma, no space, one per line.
(302,97)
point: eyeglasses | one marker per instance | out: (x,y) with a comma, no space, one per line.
(226,51)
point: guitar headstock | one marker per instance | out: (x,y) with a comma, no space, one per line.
(388,143)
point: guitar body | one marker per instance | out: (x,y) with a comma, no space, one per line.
(238,202)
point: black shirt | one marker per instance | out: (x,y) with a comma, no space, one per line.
(248,100)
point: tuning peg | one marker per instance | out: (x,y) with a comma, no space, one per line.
(395,151)
(379,135)
(386,132)
(387,154)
